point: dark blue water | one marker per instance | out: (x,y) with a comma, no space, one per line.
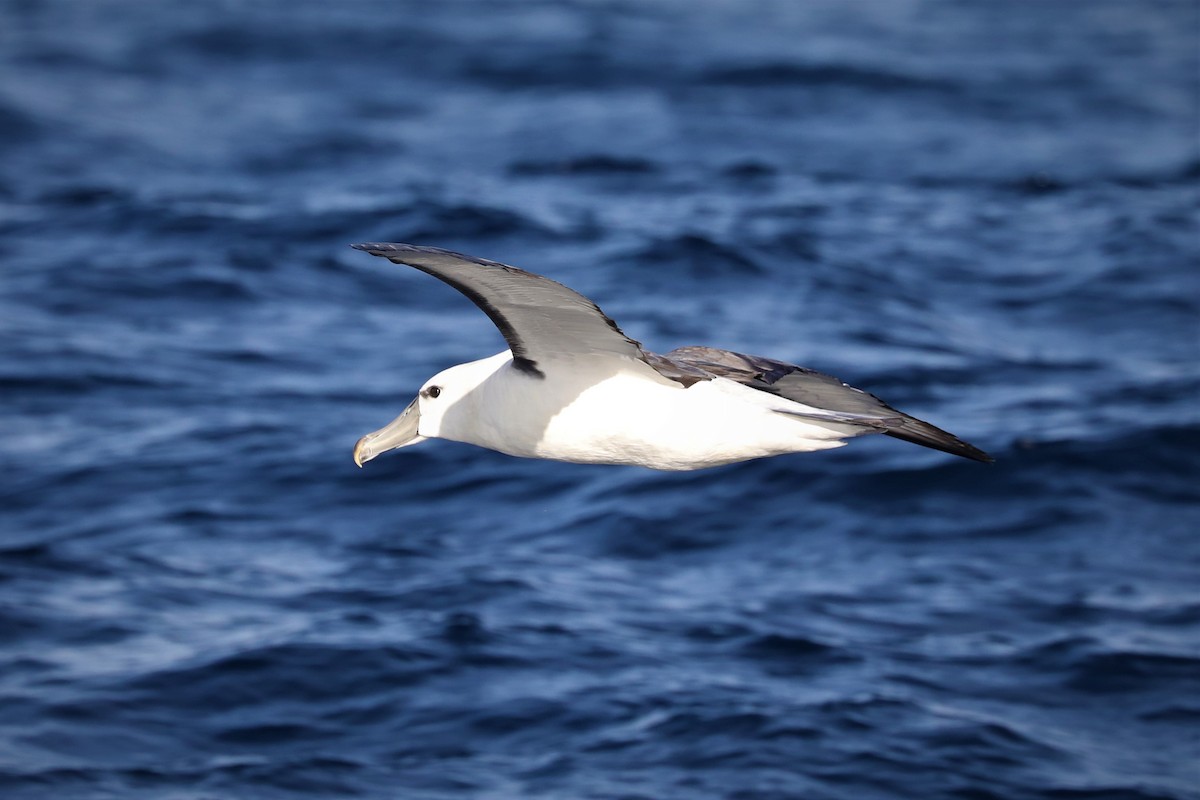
(987,213)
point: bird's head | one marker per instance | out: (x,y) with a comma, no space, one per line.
(442,406)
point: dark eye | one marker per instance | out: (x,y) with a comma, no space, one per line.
(433,391)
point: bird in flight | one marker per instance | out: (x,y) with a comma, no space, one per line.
(573,387)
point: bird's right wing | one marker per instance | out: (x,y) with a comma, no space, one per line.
(539,318)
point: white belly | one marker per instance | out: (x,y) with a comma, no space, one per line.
(629,419)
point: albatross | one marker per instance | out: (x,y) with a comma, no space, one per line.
(573,387)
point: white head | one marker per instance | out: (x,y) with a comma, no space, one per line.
(444,408)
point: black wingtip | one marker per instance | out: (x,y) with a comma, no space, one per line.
(968,450)
(380,248)
(978,455)
(402,253)
(922,433)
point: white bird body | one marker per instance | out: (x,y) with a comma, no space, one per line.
(616,411)
(573,387)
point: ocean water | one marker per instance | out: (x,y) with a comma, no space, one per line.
(986,213)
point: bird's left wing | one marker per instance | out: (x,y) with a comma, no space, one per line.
(539,318)
(819,396)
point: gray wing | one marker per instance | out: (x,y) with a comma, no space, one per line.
(831,399)
(538,317)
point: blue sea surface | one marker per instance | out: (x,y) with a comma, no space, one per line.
(986,213)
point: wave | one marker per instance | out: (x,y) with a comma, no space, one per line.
(692,255)
(791,74)
(586,165)
(297,672)
(791,654)
(17,127)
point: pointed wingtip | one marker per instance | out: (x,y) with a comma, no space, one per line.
(397,251)
(968,450)
(920,432)
(962,449)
